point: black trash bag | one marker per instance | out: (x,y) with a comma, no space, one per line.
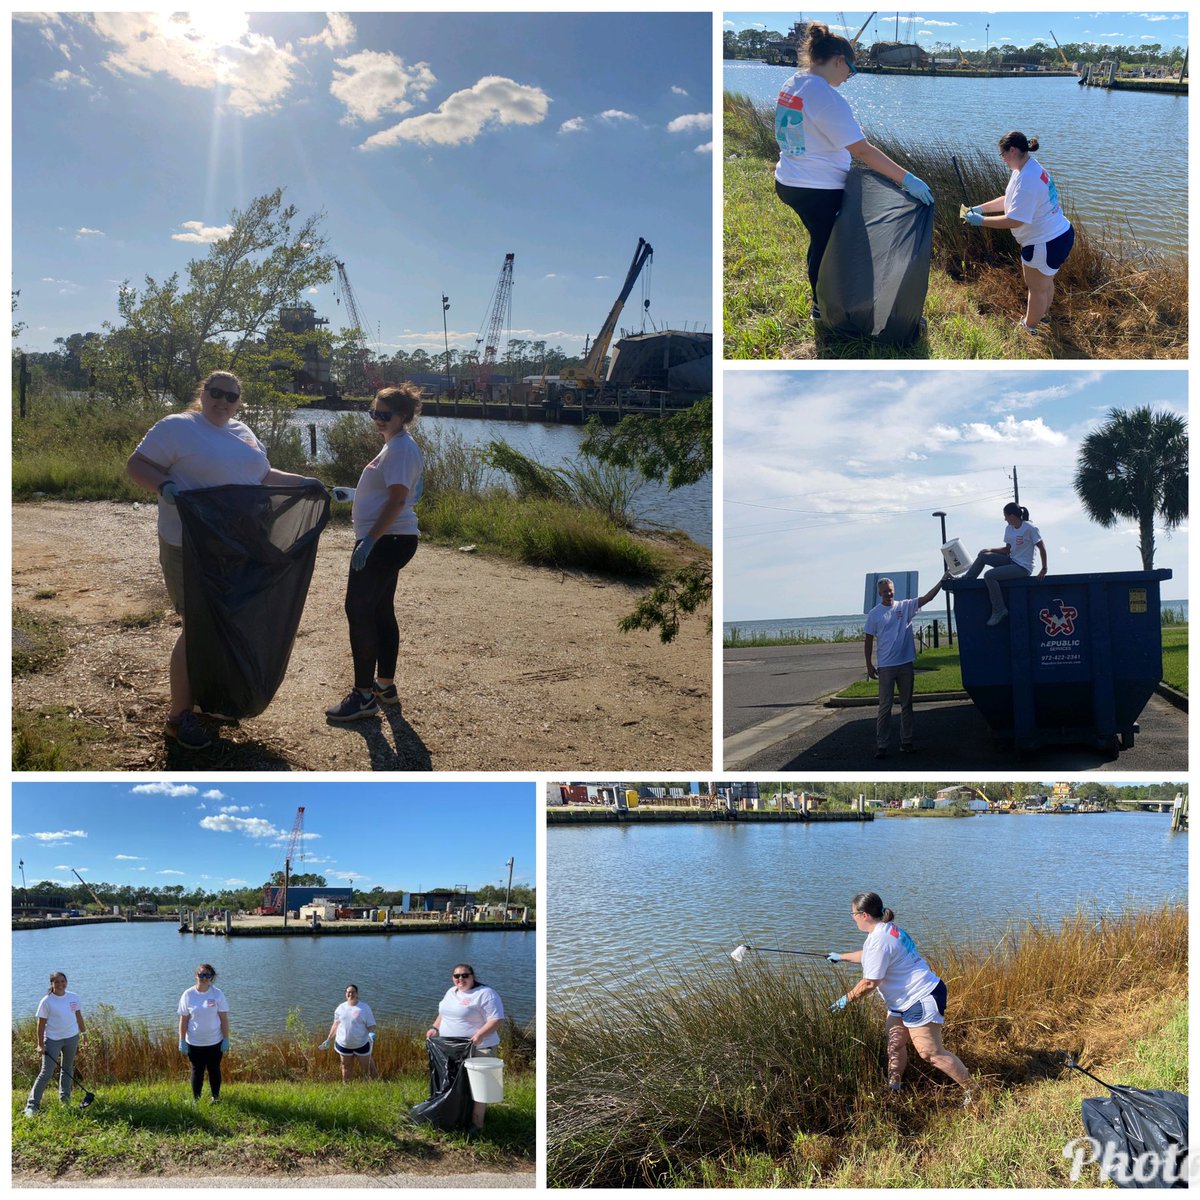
(875,272)
(449,1105)
(1132,1122)
(248,557)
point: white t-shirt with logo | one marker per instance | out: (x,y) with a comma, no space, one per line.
(400,461)
(202,1010)
(1031,197)
(59,1014)
(891,627)
(354,1023)
(1022,542)
(463,1013)
(813,126)
(890,957)
(195,453)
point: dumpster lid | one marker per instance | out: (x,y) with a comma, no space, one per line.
(1116,577)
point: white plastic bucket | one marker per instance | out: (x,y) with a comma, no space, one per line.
(486,1077)
(955,557)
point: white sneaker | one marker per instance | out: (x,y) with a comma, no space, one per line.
(996,618)
(972,1094)
(30,1111)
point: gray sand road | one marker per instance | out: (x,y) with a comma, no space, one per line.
(762,683)
(485,1179)
(952,736)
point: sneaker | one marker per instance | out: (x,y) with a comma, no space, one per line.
(214,1099)
(30,1111)
(354,706)
(188,732)
(386,695)
(881,752)
(816,311)
(972,1094)
(895,1087)
(907,748)
(996,618)
(1023,328)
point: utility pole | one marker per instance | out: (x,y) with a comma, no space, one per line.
(446,338)
(949,619)
(1016,488)
(508,890)
(21,868)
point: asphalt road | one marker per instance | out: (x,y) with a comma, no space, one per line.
(766,682)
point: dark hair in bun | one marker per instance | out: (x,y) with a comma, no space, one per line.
(1018,141)
(823,45)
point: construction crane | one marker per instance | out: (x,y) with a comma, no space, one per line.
(497,322)
(1060,51)
(854,39)
(366,378)
(274,896)
(89,888)
(589,373)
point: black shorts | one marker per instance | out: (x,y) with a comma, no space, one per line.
(362,1051)
(1048,257)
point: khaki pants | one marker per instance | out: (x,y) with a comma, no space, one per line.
(891,678)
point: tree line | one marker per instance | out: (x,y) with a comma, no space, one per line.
(996,793)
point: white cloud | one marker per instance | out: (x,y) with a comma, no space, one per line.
(944,24)
(59,836)
(704,148)
(206,235)
(214,794)
(67,867)
(690,123)
(339,31)
(1010,430)
(1017,398)
(128,858)
(236,882)
(678,91)
(573,125)
(372,84)
(16,837)
(164,789)
(65,78)
(347,875)
(170,872)
(84,231)
(312,291)
(615,114)
(232,808)
(462,117)
(254,827)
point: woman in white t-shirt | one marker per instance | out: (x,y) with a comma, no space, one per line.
(59,1028)
(817,135)
(470,1011)
(386,535)
(204,446)
(1030,207)
(1013,560)
(353,1034)
(914,995)
(204,1030)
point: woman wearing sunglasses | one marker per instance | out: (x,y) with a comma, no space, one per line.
(204,1030)
(817,135)
(385,532)
(204,446)
(470,1011)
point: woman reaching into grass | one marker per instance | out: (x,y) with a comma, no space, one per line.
(817,135)
(204,1031)
(386,535)
(1030,208)
(914,995)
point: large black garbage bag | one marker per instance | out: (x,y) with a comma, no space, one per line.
(248,557)
(1142,1134)
(875,272)
(449,1105)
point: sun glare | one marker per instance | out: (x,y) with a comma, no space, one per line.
(216,26)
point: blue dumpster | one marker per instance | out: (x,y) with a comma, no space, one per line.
(1075,660)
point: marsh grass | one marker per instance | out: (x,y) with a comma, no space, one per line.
(745,1069)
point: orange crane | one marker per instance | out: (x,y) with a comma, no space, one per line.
(499,320)
(1060,51)
(274,896)
(365,376)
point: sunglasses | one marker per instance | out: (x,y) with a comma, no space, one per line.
(221,394)
(850,66)
(203,974)
(467,975)
(378,414)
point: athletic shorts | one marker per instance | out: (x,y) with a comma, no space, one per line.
(931,1010)
(363,1051)
(171,559)
(1047,257)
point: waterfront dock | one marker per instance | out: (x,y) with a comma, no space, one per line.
(231,927)
(599,815)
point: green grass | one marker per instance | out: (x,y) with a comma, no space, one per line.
(39,641)
(52,738)
(1175,656)
(937,671)
(284,1128)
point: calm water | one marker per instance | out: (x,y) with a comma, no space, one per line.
(828,627)
(644,902)
(142,969)
(689,508)
(1143,181)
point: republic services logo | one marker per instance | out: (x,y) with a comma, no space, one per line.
(1059,619)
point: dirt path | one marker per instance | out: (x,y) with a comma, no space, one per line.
(502,666)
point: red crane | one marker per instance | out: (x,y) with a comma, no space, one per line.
(500,319)
(274,896)
(366,377)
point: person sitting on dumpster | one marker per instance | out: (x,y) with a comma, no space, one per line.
(1013,560)
(890,621)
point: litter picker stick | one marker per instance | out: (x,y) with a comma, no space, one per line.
(962,185)
(739,952)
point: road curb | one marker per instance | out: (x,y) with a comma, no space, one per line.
(1172,696)
(873,701)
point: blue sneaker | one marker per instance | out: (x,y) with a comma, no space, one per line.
(188,731)
(355,706)
(386,695)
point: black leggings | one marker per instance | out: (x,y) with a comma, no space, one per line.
(370,608)
(817,209)
(205,1058)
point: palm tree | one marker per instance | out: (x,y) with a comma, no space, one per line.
(1135,467)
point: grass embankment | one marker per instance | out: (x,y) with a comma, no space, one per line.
(1114,299)
(748,1080)
(283,1109)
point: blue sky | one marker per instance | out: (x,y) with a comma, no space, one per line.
(969,30)
(410,836)
(830,475)
(436,144)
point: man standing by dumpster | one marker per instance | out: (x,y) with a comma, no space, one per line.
(890,622)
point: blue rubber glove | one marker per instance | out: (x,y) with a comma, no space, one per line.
(168,491)
(371,1036)
(833,957)
(361,553)
(324,1045)
(310,481)
(974,218)
(182,1046)
(224,1045)
(917,188)
(839,1004)
(976,208)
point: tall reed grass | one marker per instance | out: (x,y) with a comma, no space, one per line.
(723,1062)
